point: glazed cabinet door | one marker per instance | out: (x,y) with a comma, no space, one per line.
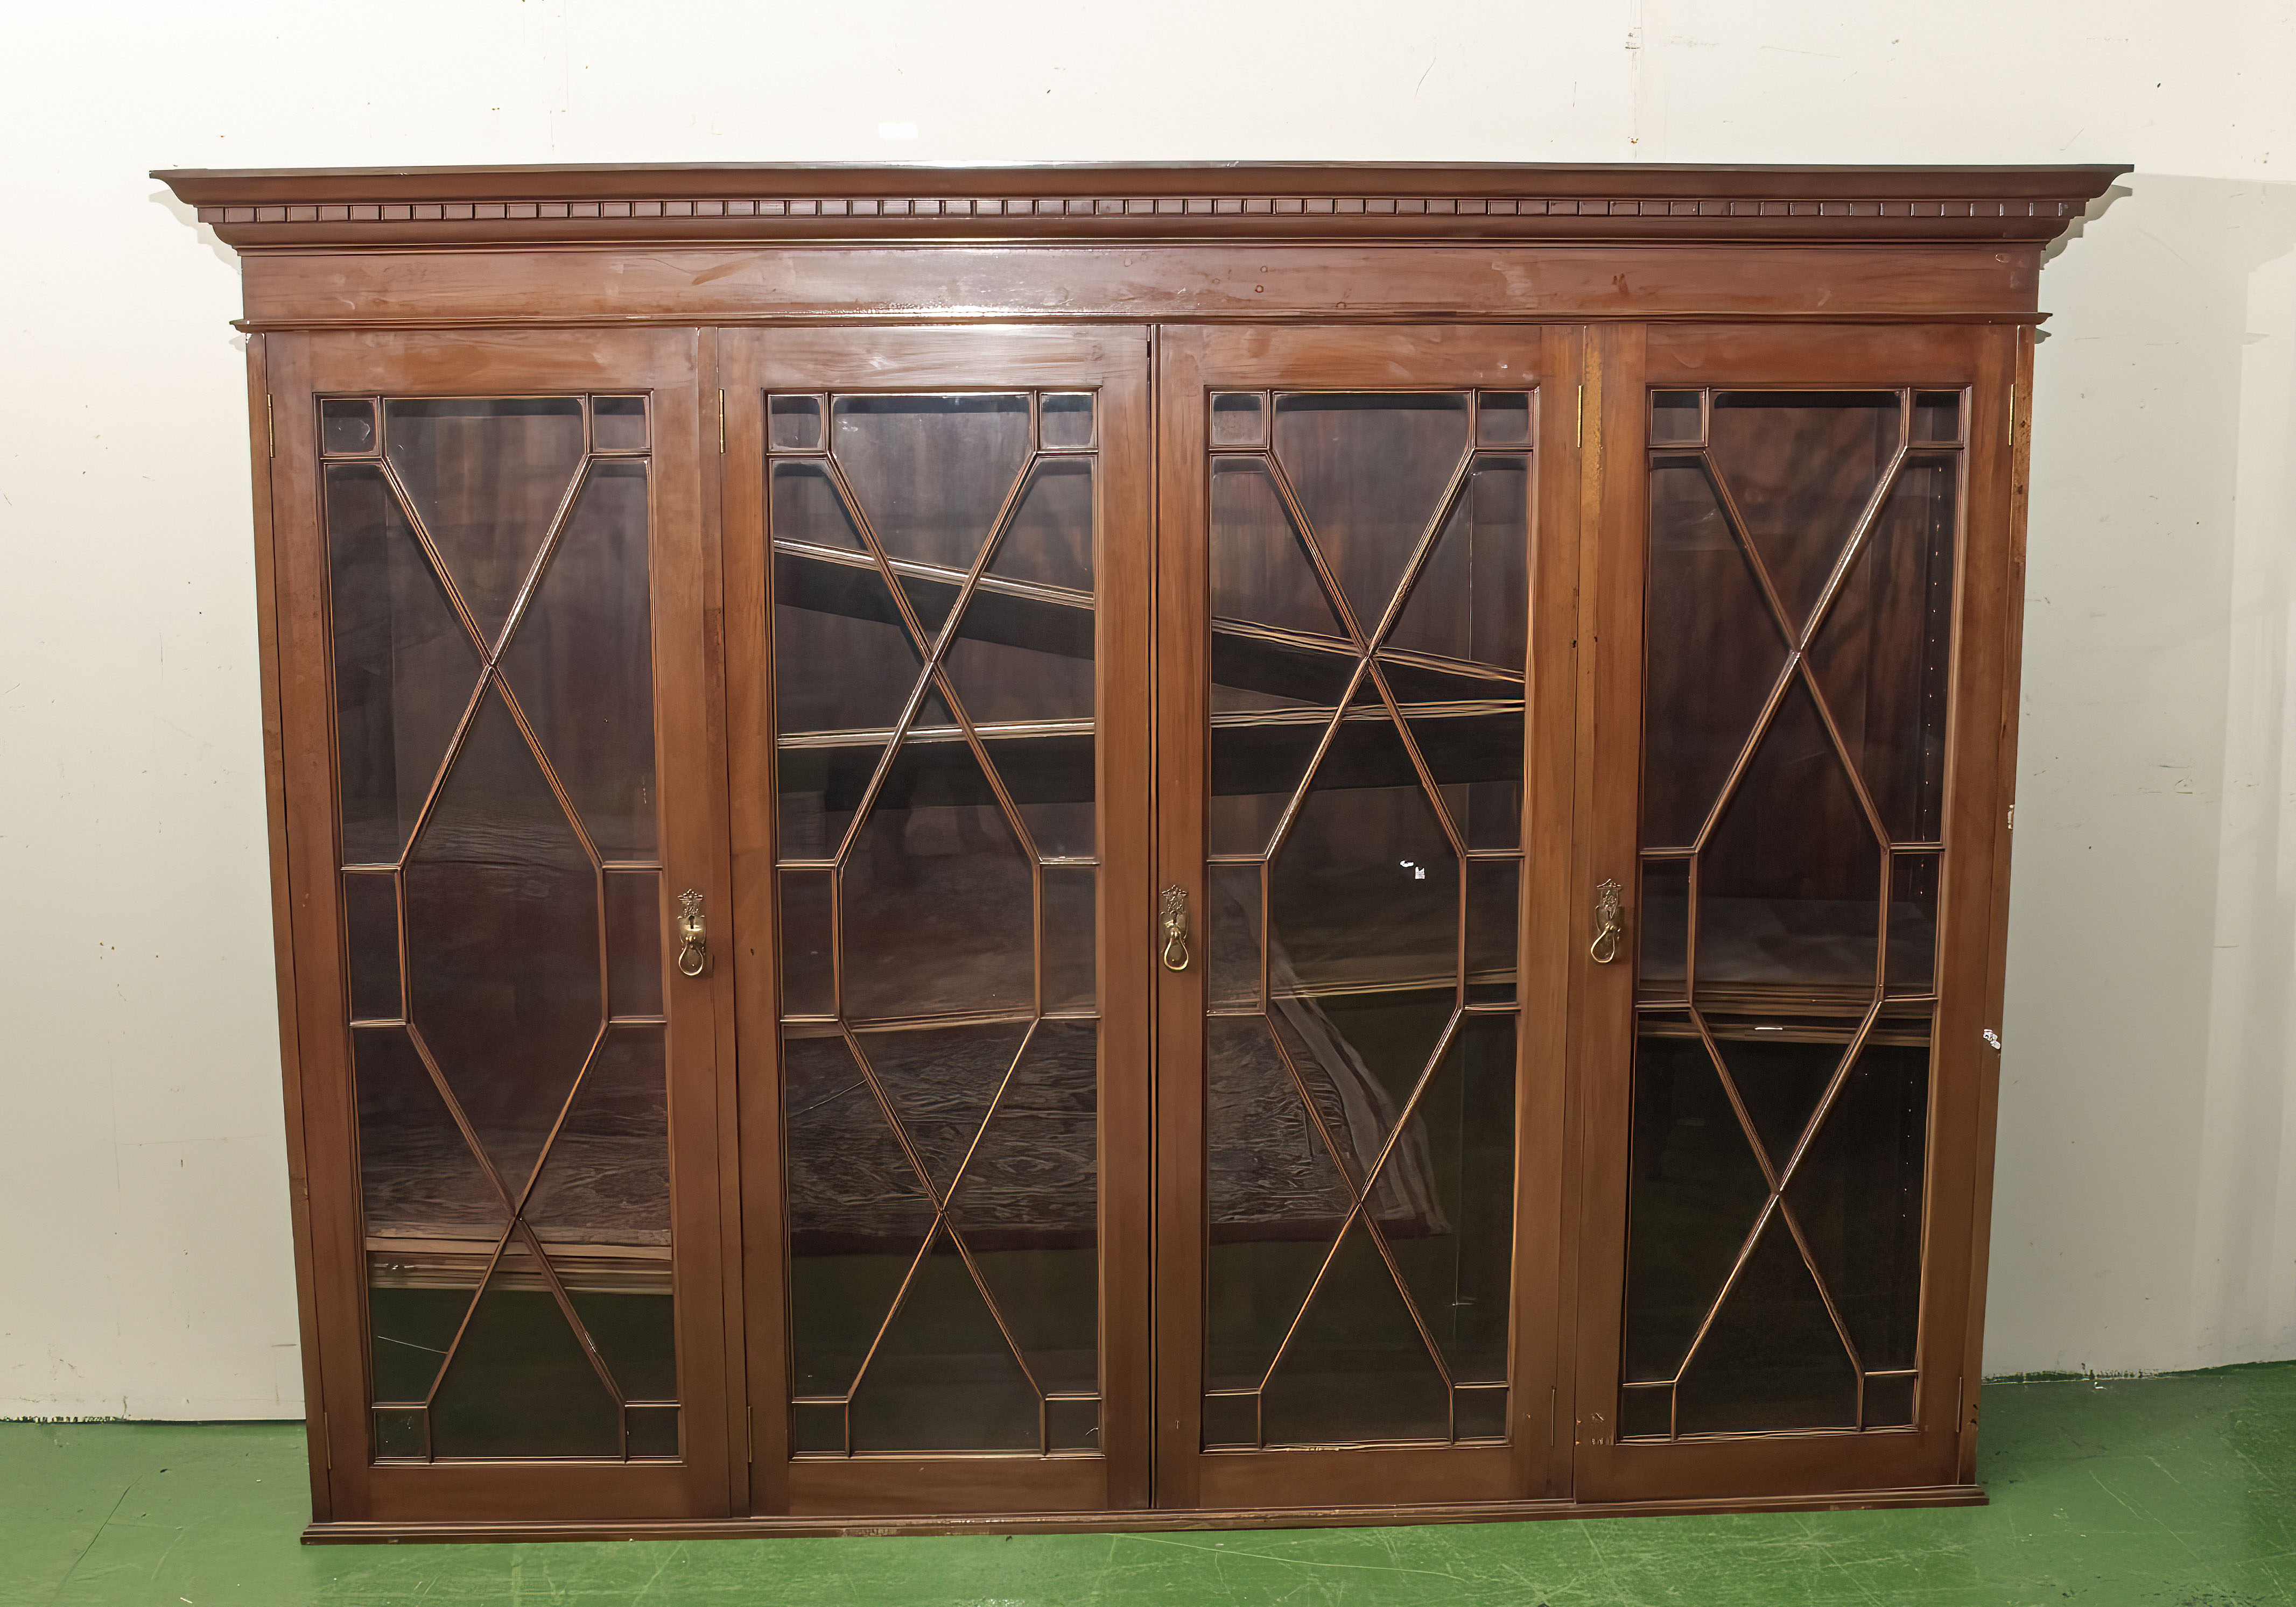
(938,608)
(488,566)
(1364,717)
(1793,809)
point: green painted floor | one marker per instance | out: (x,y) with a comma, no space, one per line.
(2179,1491)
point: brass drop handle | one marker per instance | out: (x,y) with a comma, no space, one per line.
(1176,928)
(1604,948)
(693,935)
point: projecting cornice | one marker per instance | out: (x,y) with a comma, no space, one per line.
(338,209)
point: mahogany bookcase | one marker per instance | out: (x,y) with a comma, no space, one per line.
(1137,845)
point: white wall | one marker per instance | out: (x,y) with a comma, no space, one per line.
(2146,1215)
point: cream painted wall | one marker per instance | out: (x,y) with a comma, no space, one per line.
(2146,1215)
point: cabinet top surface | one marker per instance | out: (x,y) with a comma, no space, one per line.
(354,207)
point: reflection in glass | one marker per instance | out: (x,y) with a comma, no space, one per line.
(1502,419)
(1676,419)
(1239,418)
(618,423)
(1065,419)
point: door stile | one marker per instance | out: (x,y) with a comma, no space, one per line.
(1547,1161)
(1182,703)
(1608,774)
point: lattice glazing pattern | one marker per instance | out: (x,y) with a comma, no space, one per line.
(1369,593)
(501,909)
(1801,607)
(935,717)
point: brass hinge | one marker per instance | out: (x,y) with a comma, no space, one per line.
(721,423)
(2009,434)
(1580,437)
(2012,817)
(270,429)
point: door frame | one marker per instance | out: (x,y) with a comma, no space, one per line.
(663,362)
(1190,360)
(1112,360)
(1627,362)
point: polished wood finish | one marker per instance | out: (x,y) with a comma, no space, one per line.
(705,286)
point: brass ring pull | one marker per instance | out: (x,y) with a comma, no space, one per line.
(1175,929)
(1604,948)
(693,935)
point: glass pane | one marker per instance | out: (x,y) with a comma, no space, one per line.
(857,1214)
(1065,419)
(1888,1401)
(502,942)
(1276,1201)
(1239,418)
(487,476)
(606,1181)
(1232,925)
(818,1427)
(1694,1194)
(1883,654)
(633,943)
(1028,1208)
(1050,779)
(1773,1359)
(1675,418)
(1477,762)
(1646,1414)
(1370,471)
(1445,1200)
(805,506)
(1912,924)
(1256,770)
(1714,654)
(417,1177)
(346,425)
(618,423)
(1789,884)
(842,614)
(1357,1367)
(1071,922)
(1858,1199)
(1471,598)
(931,471)
(1937,415)
(1019,658)
(1801,467)
(371,941)
(944,1379)
(1072,1425)
(405,668)
(1502,419)
(937,901)
(1483,1414)
(793,423)
(414,1315)
(581,661)
(1230,1420)
(519,1383)
(653,1430)
(1493,915)
(1781,1070)
(1663,918)
(1364,890)
(401,1434)
(940,1082)
(808,914)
